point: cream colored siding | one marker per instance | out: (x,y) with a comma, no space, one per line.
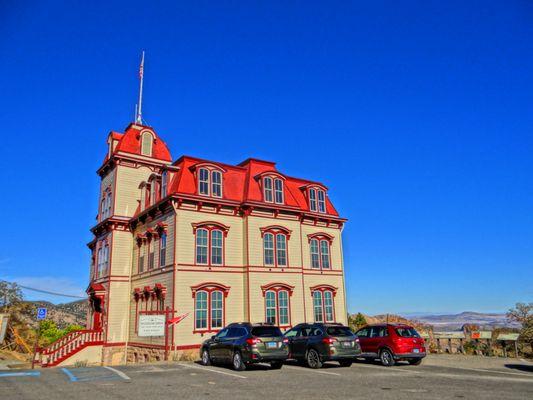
(128,192)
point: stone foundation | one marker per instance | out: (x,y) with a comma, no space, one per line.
(114,355)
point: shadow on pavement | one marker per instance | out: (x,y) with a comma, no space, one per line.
(520,367)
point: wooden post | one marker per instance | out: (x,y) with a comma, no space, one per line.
(516,348)
(167,310)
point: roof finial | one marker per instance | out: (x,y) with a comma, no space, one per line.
(138,118)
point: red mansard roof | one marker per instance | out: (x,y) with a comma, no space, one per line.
(241,182)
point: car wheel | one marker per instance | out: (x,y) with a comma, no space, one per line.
(415,361)
(276,365)
(345,363)
(313,359)
(386,358)
(206,359)
(238,363)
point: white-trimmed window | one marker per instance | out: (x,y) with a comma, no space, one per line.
(146,144)
(209,246)
(217,309)
(283,307)
(268,190)
(278,191)
(321,201)
(163,250)
(210,182)
(200,310)
(318,306)
(312,199)
(315,253)
(317,200)
(323,305)
(268,245)
(281,249)
(270,307)
(164,183)
(151,254)
(209,307)
(216,183)
(320,253)
(202,241)
(142,250)
(203,181)
(153,198)
(275,240)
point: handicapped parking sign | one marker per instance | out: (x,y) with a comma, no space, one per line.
(41,313)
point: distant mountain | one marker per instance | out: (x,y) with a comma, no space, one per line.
(73,313)
(456,321)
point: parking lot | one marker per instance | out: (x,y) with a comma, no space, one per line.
(443,377)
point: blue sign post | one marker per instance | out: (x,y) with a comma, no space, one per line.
(41,313)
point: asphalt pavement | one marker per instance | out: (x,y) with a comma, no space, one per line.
(439,377)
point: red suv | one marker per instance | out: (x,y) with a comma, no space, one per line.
(391,343)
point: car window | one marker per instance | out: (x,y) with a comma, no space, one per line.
(316,332)
(383,332)
(223,333)
(374,331)
(338,331)
(266,331)
(291,333)
(237,332)
(407,332)
(304,332)
(363,332)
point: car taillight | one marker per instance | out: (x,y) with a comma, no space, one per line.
(357,340)
(253,341)
(286,341)
(329,340)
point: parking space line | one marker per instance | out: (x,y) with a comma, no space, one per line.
(8,374)
(387,369)
(312,370)
(211,370)
(492,371)
(70,375)
(119,373)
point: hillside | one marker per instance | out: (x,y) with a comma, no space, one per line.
(73,313)
(456,321)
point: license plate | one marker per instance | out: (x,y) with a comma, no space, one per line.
(346,344)
(416,351)
(271,345)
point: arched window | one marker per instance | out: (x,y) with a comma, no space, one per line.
(323,303)
(278,191)
(200,310)
(267,189)
(275,245)
(268,245)
(209,304)
(140,266)
(216,247)
(217,309)
(277,303)
(146,144)
(318,306)
(317,200)
(163,250)
(320,247)
(201,246)
(216,183)
(270,307)
(203,181)
(210,236)
(153,198)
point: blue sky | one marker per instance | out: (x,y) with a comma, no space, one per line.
(417,116)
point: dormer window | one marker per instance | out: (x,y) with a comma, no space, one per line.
(317,200)
(209,182)
(273,190)
(146,144)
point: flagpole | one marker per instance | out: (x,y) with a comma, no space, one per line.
(141,77)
